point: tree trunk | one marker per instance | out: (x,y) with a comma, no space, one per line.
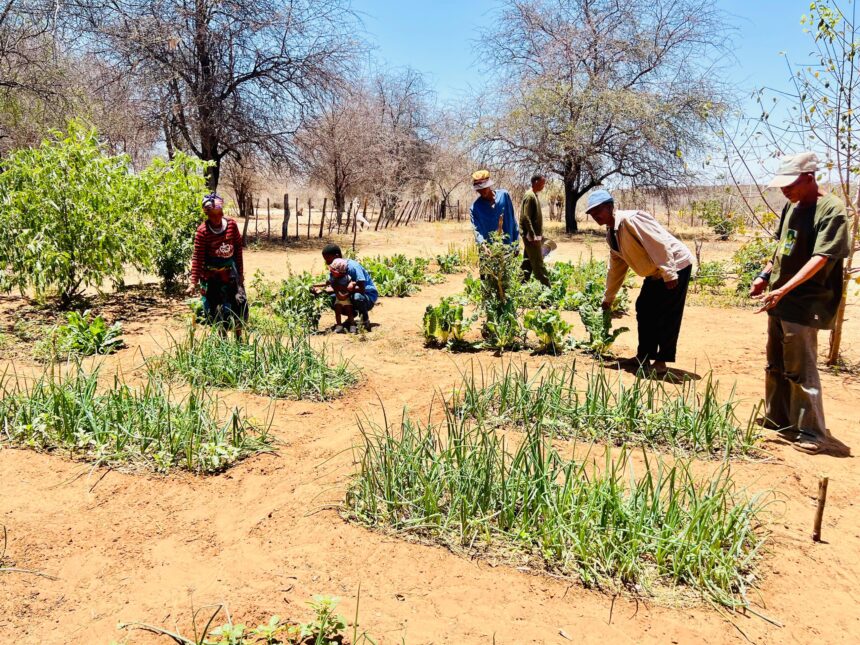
(286,222)
(836,334)
(571,196)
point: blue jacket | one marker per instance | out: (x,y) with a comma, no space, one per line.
(359,274)
(485,217)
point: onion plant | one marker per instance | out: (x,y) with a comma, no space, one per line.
(282,366)
(689,416)
(458,483)
(123,425)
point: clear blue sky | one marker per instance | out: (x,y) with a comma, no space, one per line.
(437,37)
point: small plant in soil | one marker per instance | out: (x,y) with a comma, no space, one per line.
(290,300)
(282,366)
(549,327)
(690,417)
(82,335)
(122,425)
(598,324)
(444,323)
(399,276)
(648,528)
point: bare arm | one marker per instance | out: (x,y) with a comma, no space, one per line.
(814,265)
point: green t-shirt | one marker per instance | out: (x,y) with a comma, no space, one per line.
(531,218)
(805,231)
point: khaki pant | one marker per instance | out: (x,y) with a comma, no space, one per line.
(792,385)
(533,266)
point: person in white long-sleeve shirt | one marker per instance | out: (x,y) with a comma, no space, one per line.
(637,241)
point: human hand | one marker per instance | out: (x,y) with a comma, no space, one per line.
(606,305)
(770,299)
(758,287)
(671,284)
(193,288)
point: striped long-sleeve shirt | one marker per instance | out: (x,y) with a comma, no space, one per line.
(216,253)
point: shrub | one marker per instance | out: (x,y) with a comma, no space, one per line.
(273,365)
(444,322)
(711,276)
(398,275)
(82,335)
(291,300)
(72,216)
(714,214)
(498,293)
(750,259)
(449,263)
(123,425)
(458,484)
(576,284)
(687,417)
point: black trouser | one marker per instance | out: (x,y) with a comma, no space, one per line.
(659,311)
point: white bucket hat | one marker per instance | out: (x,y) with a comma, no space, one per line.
(792,166)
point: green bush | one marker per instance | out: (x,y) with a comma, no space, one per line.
(576,284)
(82,335)
(72,216)
(750,259)
(713,213)
(549,327)
(711,276)
(398,275)
(291,300)
(127,426)
(449,263)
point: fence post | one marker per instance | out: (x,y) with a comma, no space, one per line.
(286,220)
(245,208)
(322,217)
(310,206)
(256,223)
(268,218)
(297,218)
(458,210)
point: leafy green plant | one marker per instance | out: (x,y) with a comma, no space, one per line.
(598,324)
(445,322)
(576,284)
(122,425)
(81,335)
(169,192)
(750,259)
(326,626)
(549,327)
(689,417)
(291,300)
(714,213)
(397,275)
(273,365)
(497,293)
(614,525)
(449,263)
(711,276)
(73,216)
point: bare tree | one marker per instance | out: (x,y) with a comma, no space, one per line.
(592,90)
(449,165)
(225,75)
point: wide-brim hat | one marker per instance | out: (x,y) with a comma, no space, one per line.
(481,179)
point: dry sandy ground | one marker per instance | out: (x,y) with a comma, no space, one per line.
(266,536)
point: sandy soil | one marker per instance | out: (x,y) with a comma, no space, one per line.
(266,536)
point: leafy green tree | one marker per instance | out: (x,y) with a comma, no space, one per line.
(170,194)
(65,221)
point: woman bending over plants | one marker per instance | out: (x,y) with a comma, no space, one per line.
(217,270)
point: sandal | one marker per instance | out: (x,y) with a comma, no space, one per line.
(808,445)
(338,329)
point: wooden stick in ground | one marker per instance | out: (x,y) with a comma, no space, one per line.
(322,217)
(245,209)
(819,511)
(268,218)
(285,230)
(256,221)
(355,223)
(297,218)
(310,206)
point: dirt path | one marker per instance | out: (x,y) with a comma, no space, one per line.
(266,536)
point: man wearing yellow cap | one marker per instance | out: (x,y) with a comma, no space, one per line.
(492,211)
(805,289)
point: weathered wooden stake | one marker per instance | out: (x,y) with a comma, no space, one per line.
(285,231)
(268,218)
(256,221)
(310,206)
(297,218)
(322,217)
(819,512)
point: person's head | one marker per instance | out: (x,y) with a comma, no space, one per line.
(538,182)
(601,207)
(483,184)
(796,177)
(331,252)
(213,208)
(338,268)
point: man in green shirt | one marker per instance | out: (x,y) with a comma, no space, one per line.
(531,229)
(805,278)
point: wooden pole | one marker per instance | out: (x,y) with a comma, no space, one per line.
(256,222)
(458,210)
(297,218)
(246,209)
(285,224)
(819,511)
(310,207)
(268,218)
(380,218)
(322,217)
